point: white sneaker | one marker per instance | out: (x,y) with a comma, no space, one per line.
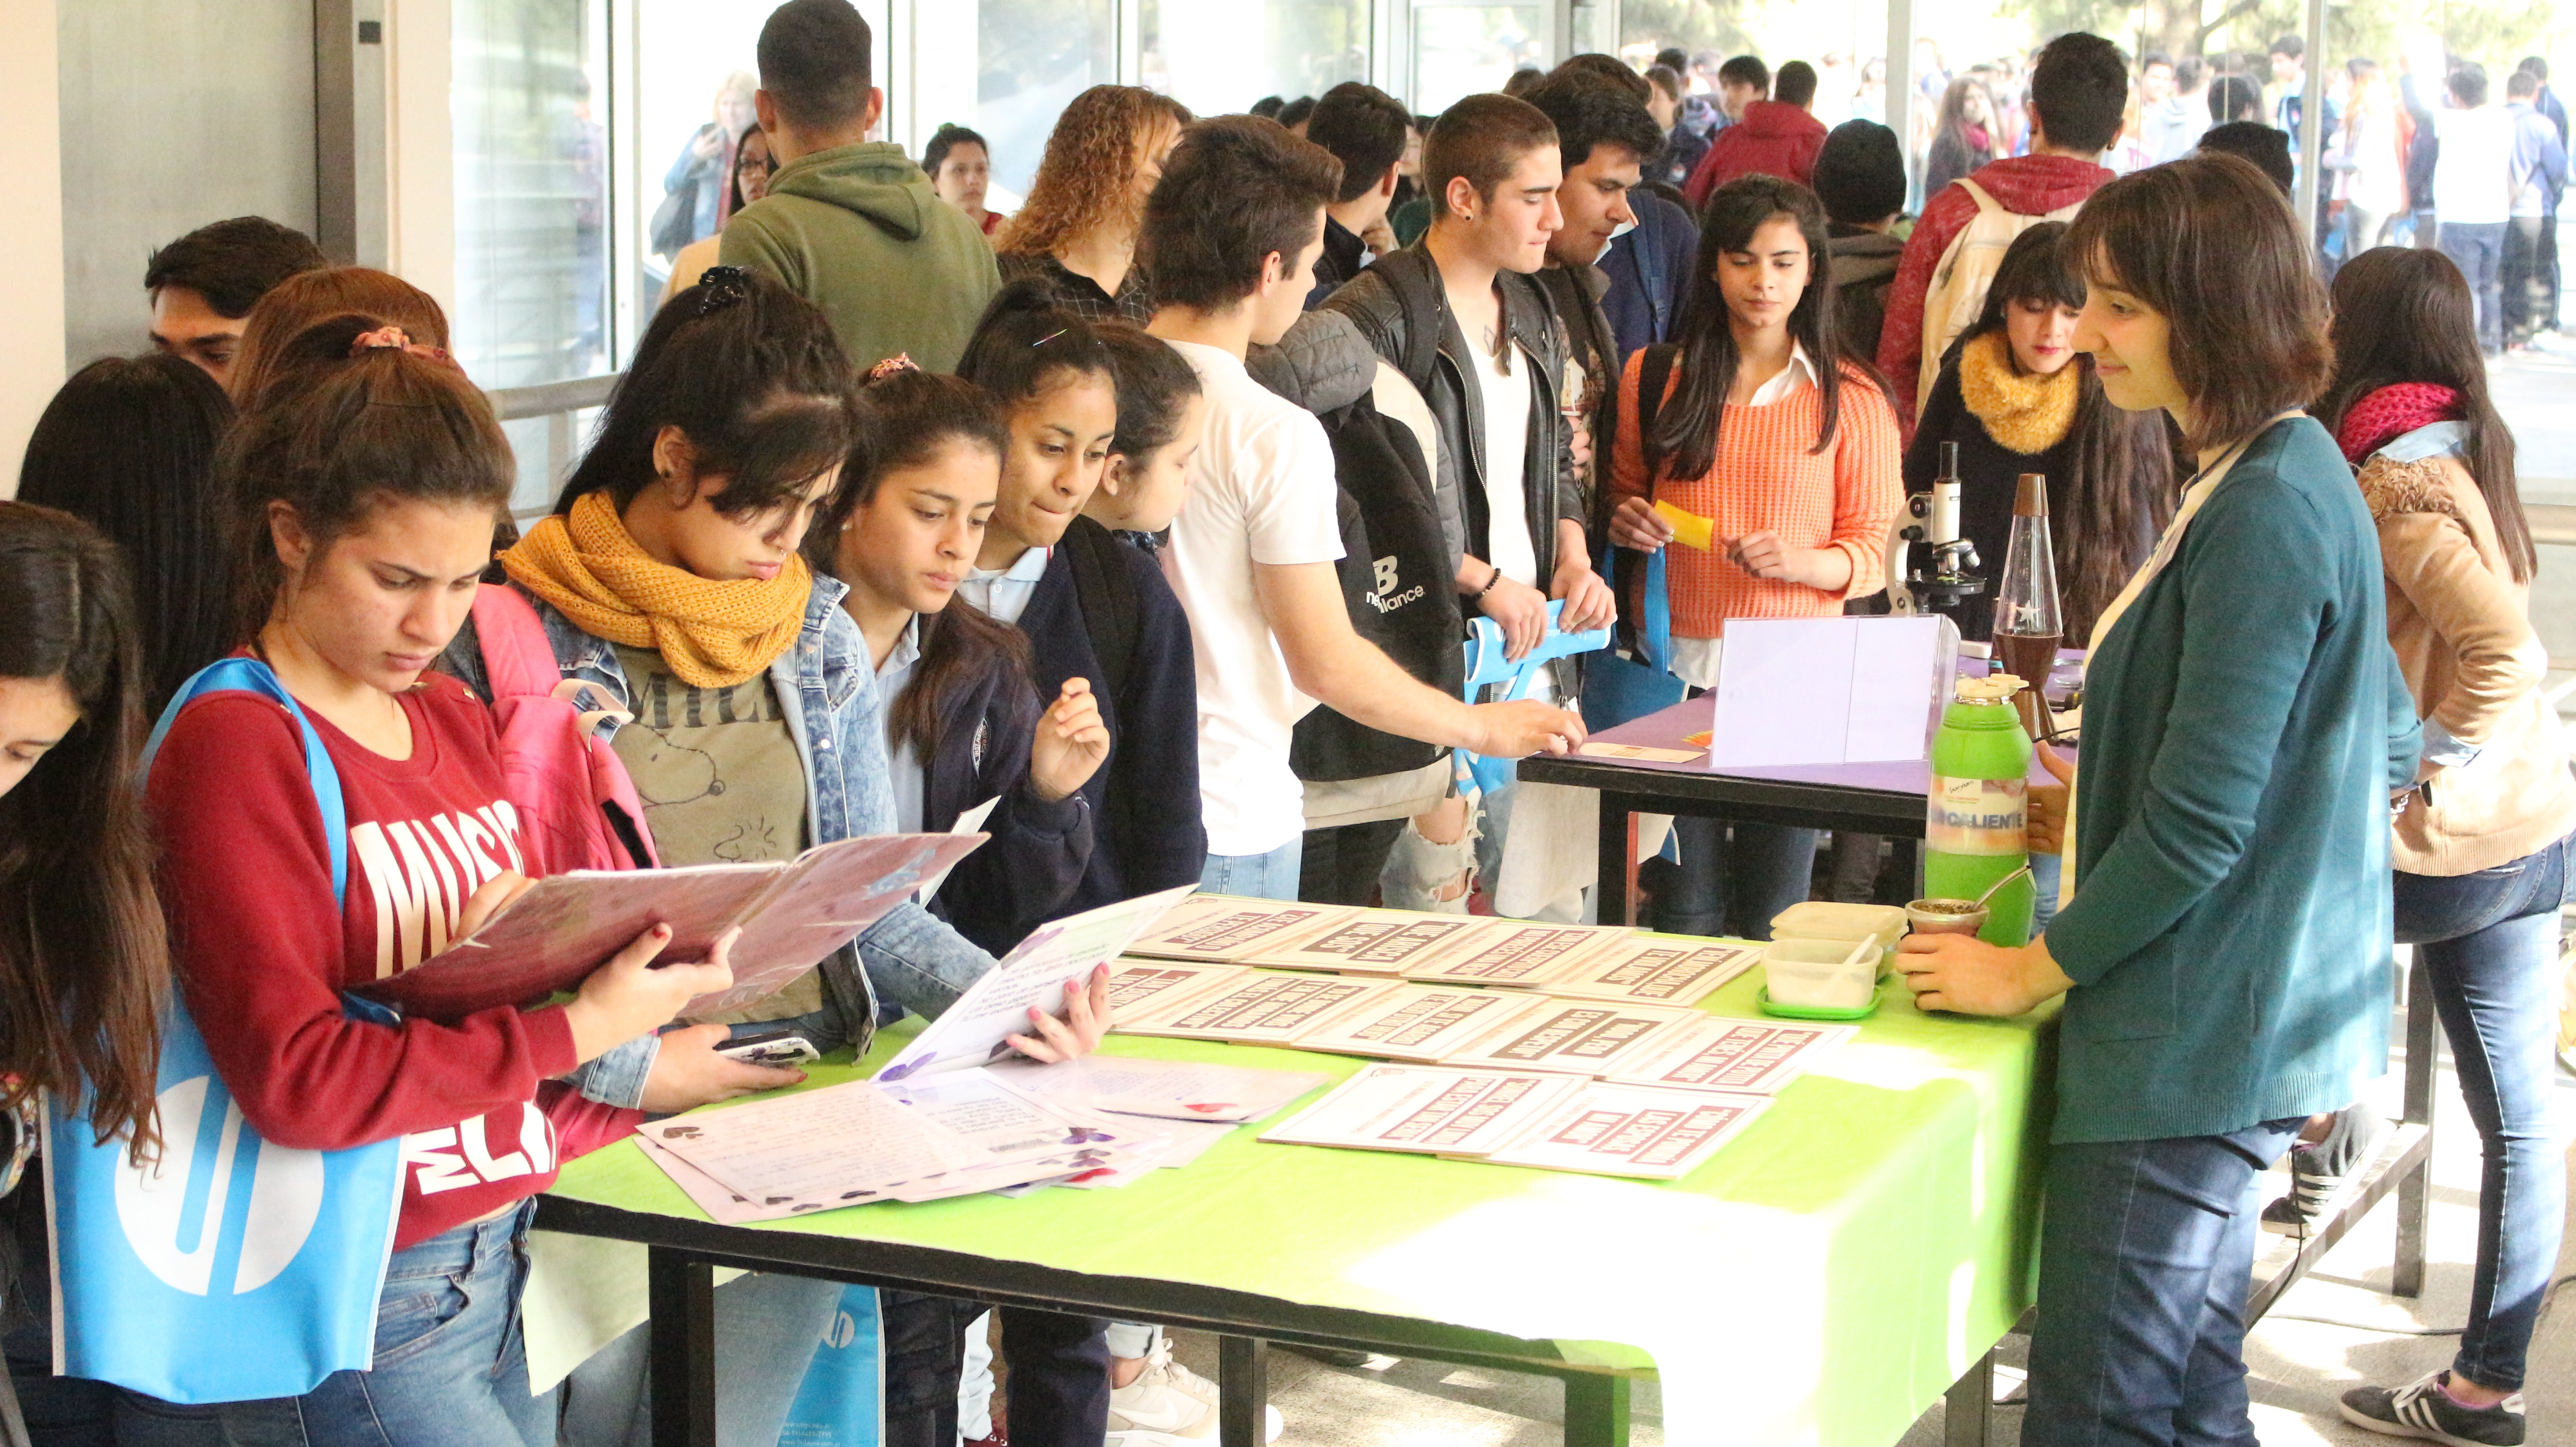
(1155,1409)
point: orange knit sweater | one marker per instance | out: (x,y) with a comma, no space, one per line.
(1843,498)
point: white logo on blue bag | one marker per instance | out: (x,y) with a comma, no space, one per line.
(173,1210)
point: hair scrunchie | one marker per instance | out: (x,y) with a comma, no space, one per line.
(894,366)
(722,286)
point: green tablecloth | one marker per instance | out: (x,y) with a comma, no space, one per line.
(1821,1281)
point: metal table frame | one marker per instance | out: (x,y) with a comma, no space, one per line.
(684,1253)
(2405,1164)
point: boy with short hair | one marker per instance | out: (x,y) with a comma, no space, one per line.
(1231,234)
(1366,130)
(852,225)
(1772,137)
(2079,92)
(204,284)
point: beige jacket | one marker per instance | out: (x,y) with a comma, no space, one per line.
(2461,628)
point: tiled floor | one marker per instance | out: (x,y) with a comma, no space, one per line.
(2299,1367)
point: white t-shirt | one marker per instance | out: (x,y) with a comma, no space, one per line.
(1261,491)
(2473,175)
(1507,412)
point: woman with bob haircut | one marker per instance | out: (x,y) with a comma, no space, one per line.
(2227,939)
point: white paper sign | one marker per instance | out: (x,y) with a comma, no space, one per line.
(1838,690)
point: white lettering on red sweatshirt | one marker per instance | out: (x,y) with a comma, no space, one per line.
(263,952)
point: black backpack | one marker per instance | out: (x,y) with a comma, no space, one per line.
(1108,596)
(1397,583)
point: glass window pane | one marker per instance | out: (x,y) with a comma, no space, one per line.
(1462,49)
(531,169)
(1032,57)
(695,71)
(1219,56)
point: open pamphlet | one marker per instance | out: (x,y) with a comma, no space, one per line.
(1516,952)
(1655,971)
(1633,1130)
(1418,1022)
(1223,927)
(956,1133)
(976,1029)
(793,913)
(1523,1118)
(1431,1110)
(1255,1007)
(1371,942)
(1589,1037)
(1755,1057)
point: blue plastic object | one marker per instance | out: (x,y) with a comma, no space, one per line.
(1487,666)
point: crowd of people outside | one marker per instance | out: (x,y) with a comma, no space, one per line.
(1154,513)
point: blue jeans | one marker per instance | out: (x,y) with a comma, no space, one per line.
(767,1328)
(2047,872)
(2146,1254)
(2479,253)
(1734,877)
(451,1368)
(2490,942)
(1257,876)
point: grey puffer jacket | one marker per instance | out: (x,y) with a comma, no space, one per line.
(1399,307)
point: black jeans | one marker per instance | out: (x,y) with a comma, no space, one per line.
(1340,865)
(1734,877)
(1059,1372)
(2524,280)
(2490,942)
(2146,1254)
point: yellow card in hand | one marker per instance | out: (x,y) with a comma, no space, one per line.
(1689,528)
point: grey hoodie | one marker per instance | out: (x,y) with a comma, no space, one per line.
(857,231)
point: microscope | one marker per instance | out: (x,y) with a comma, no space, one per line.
(1930,567)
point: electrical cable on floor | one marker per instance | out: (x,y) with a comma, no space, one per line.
(2546,1296)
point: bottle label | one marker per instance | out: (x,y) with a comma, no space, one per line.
(1976,816)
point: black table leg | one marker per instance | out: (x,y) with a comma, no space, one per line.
(1967,1413)
(1610,890)
(2406,1277)
(1596,1410)
(683,1297)
(1243,1390)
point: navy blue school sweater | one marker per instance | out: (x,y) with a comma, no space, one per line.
(1146,830)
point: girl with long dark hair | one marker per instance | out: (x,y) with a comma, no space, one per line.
(2016,397)
(963,723)
(128,446)
(359,512)
(2224,952)
(1760,422)
(1963,138)
(2481,850)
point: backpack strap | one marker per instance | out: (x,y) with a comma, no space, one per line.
(1110,614)
(250,675)
(1653,375)
(518,661)
(1418,293)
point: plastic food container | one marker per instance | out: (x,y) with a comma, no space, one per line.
(1822,974)
(1818,919)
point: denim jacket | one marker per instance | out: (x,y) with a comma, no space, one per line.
(827,687)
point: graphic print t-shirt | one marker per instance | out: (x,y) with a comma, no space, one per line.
(721,782)
(263,951)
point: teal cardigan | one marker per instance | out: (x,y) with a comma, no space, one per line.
(2229,936)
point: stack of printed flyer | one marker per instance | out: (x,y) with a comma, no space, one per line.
(1525,1118)
(957,1113)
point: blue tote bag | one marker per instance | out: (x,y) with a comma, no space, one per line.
(232,1268)
(842,1403)
(1619,690)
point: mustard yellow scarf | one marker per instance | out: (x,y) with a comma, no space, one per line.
(2027,413)
(714,635)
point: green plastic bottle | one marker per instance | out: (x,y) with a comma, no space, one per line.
(1975,815)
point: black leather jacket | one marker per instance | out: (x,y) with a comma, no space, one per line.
(1403,314)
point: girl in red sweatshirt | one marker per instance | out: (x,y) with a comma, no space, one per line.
(363,505)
